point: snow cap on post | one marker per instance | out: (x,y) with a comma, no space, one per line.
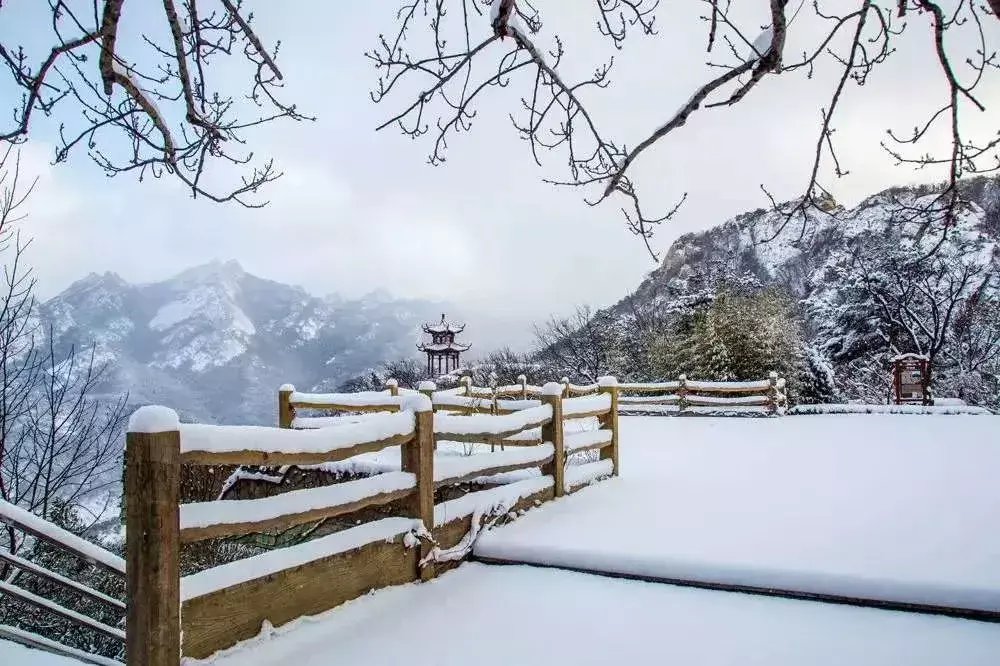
(522,378)
(417,402)
(286,388)
(552,388)
(153,418)
(391,382)
(607,381)
(772,375)
(426,386)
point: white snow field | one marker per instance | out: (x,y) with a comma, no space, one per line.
(499,615)
(899,508)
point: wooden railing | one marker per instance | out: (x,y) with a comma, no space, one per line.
(686,396)
(215,608)
(81,549)
(683,396)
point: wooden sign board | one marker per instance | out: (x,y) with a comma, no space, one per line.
(911,379)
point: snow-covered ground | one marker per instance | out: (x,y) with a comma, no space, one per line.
(894,507)
(14,654)
(497,616)
(891,507)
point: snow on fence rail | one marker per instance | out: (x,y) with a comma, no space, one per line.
(228,603)
(19,519)
(700,397)
(680,396)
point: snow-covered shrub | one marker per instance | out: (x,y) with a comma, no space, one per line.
(736,338)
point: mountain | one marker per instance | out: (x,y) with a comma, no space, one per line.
(215,342)
(837,263)
(789,253)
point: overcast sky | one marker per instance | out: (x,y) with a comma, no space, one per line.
(360,210)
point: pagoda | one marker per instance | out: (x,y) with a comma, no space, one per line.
(442,351)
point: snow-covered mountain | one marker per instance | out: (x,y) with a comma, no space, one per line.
(215,342)
(877,277)
(791,254)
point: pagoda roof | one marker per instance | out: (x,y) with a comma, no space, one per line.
(453,346)
(444,326)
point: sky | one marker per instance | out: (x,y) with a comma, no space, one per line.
(360,210)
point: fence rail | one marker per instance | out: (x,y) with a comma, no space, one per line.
(683,396)
(215,608)
(686,396)
(87,552)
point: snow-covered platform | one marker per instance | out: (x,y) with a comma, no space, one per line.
(897,508)
(497,616)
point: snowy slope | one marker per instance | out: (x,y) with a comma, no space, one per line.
(888,507)
(498,616)
(216,341)
(760,243)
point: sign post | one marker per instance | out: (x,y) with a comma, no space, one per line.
(911,375)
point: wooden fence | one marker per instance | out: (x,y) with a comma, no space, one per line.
(215,608)
(686,396)
(683,396)
(86,552)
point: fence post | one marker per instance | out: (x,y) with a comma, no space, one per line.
(428,388)
(553,432)
(609,421)
(524,386)
(286,413)
(152,538)
(772,392)
(682,392)
(565,386)
(393,387)
(418,459)
(466,382)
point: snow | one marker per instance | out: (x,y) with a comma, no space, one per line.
(694,385)
(18,516)
(36,569)
(871,506)
(426,386)
(647,399)
(451,400)
(607,381)
(910,356)
(227,439)
(587,403)
(443,346)
(7,589)
(650,386)
(271,562)
(417,402)
(476,424)
(552,388)
(360,399)
(762,44)
(890,409)
(314,422)
(744,400)
(582,440)
(489,502)
(584,620)
(286,388)
(153,418)
(12,652)
(456,467)
(228,512)
(578,475)
(517,405)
